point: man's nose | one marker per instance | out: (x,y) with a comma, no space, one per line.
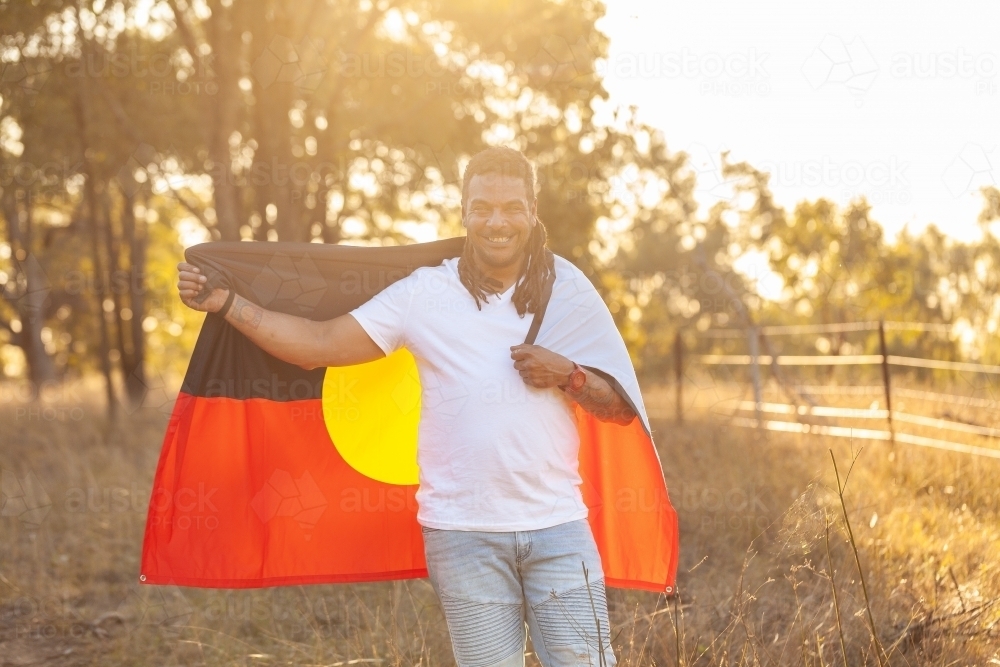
(496,219)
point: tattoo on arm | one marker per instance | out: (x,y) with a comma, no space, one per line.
(600,399)
(246,313)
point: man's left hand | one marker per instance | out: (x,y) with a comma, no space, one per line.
(541,368)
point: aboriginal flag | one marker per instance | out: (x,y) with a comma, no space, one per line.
(274,475)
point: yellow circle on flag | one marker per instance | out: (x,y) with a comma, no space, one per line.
(371,412)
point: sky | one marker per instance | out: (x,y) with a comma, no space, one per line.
(896,101)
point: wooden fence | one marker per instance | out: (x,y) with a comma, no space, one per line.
(816,419)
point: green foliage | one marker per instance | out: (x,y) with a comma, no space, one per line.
(124,131)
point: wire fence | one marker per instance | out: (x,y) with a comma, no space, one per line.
(804,415)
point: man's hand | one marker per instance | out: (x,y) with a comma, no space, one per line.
(541,368)
(190,282)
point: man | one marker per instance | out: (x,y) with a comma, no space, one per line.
(506,535)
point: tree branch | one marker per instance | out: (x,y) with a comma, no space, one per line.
(187,32)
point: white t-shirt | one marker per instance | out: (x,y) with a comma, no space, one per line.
(494,454)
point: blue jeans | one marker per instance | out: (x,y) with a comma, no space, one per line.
(490,584)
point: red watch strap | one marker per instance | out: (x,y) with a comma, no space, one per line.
(575,373)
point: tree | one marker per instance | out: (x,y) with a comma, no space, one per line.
(274,120)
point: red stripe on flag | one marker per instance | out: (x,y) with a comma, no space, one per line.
(634,524)
(252,493)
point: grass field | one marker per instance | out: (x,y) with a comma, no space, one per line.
(761,527)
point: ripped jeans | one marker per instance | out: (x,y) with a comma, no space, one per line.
(490,584)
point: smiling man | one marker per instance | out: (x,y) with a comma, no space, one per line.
(505,527)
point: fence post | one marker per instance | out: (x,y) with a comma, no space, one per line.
(679,375)
(753,334)
(885,381)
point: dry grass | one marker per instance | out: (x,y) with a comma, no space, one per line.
(761,527)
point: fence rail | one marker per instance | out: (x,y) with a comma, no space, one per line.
(841,327)
(862,413)
(902,392)
(844,360)
(754,335)
(790,360)
(866,434)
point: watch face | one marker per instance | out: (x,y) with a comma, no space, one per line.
(577,379)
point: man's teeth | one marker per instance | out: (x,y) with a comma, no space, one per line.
(498,239)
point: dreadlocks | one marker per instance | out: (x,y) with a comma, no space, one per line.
(528,292)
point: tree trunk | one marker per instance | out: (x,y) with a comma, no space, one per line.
(93,209)
(291,182)
(30,305)
(135,370)
(223,111)
(117,284)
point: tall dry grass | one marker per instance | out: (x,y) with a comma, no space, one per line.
(768,575)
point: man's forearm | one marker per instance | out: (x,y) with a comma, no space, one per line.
(286,337)
(310,344)
(600,399)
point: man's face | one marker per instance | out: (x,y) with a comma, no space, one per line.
(499,216)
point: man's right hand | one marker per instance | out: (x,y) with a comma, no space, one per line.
(190,283)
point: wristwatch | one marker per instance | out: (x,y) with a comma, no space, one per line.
(577,378)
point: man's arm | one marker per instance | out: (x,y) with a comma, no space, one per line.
(542,369)
(600,399)
(297,340)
